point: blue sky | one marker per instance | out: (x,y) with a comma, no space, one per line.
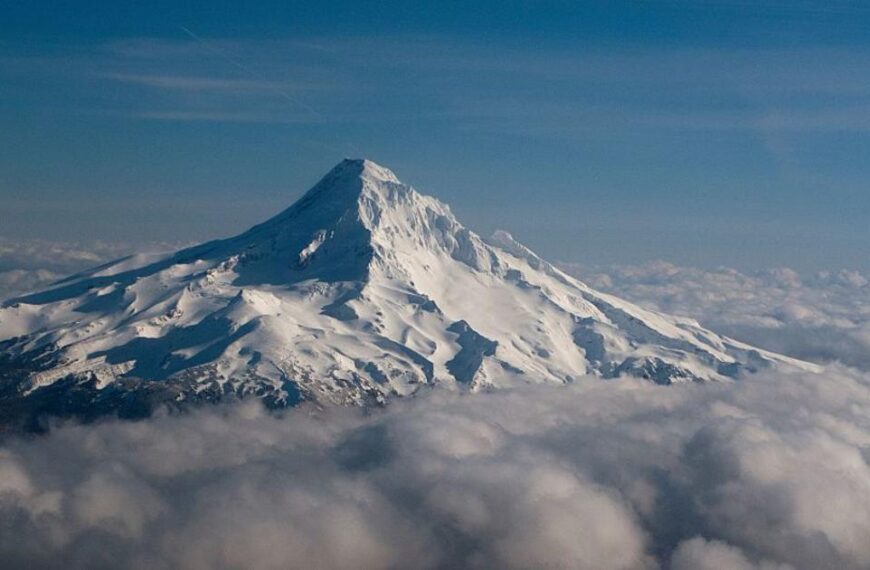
(704,133)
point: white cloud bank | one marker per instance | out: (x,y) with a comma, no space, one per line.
(27,265)
(823,318)
(767,473)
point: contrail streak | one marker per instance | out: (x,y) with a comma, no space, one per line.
(269,85)
(251,72)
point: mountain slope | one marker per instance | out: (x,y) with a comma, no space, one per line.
(361,290)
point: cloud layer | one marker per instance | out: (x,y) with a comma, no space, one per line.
(824,317)
(26,265)
(768,473)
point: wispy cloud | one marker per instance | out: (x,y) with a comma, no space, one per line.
(539,90)
(223,117)
(193,83)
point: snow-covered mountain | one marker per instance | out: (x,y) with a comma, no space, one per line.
(362,290)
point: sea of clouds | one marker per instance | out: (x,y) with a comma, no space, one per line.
(767,473)
(824,317)
(28,265)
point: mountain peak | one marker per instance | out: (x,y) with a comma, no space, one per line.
(368,169)
(353,169)
(343,186)
(360,291)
